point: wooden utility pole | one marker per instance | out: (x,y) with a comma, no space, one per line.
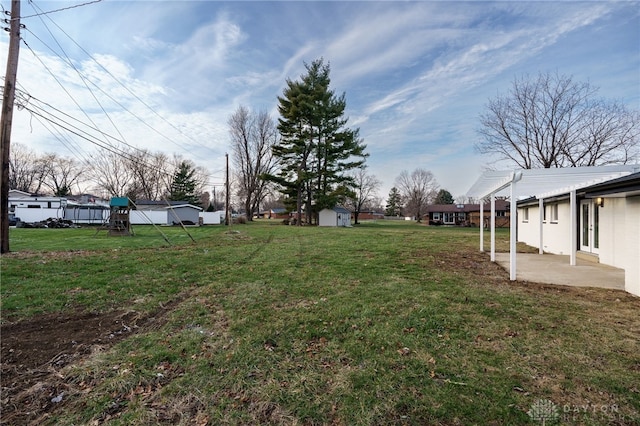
(8,99)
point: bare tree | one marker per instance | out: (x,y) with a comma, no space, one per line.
(365,188)
(418,189)
(553,121)
(149,177)
(110,173)
(26,169)
(62,174)
(252,139)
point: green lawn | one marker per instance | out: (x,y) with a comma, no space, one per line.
(383,323)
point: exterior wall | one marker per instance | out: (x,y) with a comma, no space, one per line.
(613,232)
(148,217)
(632,265)
(31,215)
(620,238)
(211,218)
(501,221)
(327,217)
(344,219)
(184,214)
(556,236)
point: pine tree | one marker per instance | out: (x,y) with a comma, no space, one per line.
(394,203)
(183,186)
(316,148)
(443,197)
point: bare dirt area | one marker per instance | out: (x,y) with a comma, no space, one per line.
(34,351)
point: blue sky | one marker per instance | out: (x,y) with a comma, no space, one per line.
(416,75)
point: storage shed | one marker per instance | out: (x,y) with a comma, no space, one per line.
(159,213)
(337,216)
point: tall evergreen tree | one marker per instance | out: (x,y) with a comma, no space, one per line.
(316,149)
(184,184)
(394,203)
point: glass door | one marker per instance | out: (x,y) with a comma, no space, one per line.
(589,229)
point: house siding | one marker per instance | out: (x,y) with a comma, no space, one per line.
(556,236)
(612,232)
(632,267)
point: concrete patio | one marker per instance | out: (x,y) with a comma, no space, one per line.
(555,269)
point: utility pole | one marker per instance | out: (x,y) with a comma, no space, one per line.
(8,99)
(227,216)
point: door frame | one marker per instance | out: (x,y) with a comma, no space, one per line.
(589,226)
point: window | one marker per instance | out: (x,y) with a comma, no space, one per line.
(501,213)
(525,214)
(436,216)
(449,218)
(553,213)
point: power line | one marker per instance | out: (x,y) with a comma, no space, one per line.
(65,121)
(60,10)
(177,129)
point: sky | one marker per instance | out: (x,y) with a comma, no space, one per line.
(167,75)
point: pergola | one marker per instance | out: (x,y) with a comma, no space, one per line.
(541,184)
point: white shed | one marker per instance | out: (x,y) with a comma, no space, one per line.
(337,216)
(160,213)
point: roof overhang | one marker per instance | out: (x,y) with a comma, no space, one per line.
(545,183)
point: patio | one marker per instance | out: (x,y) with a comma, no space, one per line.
(555,269)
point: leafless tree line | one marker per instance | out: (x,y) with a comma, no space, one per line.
(136,173)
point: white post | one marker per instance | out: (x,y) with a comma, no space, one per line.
(481,222)
(492,220)
(512,233)
(574,228)
(540,224)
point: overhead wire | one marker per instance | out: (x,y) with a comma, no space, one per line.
(42,116)
(125,87)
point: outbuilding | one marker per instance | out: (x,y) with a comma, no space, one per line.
(163,213)
(337,216)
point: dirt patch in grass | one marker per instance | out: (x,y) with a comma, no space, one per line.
(34,351)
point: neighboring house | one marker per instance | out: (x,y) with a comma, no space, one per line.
(337,216)
(370,215)
(35,208)
(280,213)
(468,214)
(587,212)
(164,213)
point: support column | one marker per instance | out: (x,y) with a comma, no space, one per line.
(481,222)
(574,228)
(492,221)
(541,224)
(512,232)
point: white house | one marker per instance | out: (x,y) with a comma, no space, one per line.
(34,208)
(587,212)
(337,216)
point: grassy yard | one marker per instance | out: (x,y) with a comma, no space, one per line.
(383,323)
